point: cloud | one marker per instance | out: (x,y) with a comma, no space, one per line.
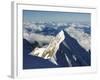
(32,27)
(31,37)
(76,30)
(82,37)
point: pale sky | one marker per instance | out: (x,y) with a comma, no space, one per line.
(51,16)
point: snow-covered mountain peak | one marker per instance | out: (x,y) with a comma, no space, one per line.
(49,52)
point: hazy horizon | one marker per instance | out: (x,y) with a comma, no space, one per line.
(55,16)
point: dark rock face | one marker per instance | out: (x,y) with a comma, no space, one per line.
(76,55)
(83,58)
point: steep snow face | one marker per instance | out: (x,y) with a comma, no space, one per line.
(82,37)
(38,52)
(54,45)
(49,52)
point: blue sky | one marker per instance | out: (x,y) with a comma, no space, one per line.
(51,16)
